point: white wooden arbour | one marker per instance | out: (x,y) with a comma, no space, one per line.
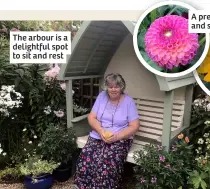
(101,47)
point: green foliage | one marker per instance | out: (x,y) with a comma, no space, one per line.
(58,144)
(160,169)
(200,113)
(10,173)
(198,179)
(36,167)
(39,93)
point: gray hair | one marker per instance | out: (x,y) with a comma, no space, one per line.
(115,78)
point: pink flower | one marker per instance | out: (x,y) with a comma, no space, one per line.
(153,179)
(174,148)
(168,42)
(142,180)
(159,148)
(167,166)
(63,86)
(59,113)
(162,158)
(14,29)
(4,30)
(88,159)
(53,72)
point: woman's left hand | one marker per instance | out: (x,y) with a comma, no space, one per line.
(113,138)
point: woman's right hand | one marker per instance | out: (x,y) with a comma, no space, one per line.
(102,134)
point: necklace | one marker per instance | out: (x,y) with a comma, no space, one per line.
(113,114)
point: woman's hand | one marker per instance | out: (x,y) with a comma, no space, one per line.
(102,134)
(113,138)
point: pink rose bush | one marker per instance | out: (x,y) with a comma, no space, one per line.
(168,43)
(52,73)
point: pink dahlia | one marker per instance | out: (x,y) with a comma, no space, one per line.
(168,42)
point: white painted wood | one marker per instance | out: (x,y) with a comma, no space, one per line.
(69,103)
(150,130)
(157,115)
(83,77)
(168,104)
(154,125)
(148,135)
(80,118)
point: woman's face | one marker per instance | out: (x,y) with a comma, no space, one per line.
(114,91)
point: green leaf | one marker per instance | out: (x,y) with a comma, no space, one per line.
(140,39)
(155,66)
(201,41)
(203,184)
(153,15)
(20,72)
(174,70)
(172,10)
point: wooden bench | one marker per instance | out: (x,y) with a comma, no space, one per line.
(151,123)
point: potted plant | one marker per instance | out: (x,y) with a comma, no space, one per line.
(59,144)
(38,173)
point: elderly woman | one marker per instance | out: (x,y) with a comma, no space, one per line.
(114,120)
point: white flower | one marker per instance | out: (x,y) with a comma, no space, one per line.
(47,110)
(35,136)
(30,142)
(200,141)
(1,150)
(24,130)
(197,151)
(145,153)
(4,154)
(197,102)
(24,149)
(39,144)
(206,135)
(207,99)
(9,99)
(207,122)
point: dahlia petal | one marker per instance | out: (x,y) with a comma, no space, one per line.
(168,43)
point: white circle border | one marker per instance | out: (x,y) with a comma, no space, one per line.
(200,83)
(141,59)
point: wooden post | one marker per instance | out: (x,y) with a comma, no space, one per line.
(91,92)
(69,103)
(188,105)
(167,118)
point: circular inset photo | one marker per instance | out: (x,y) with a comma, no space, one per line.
(163,44)
(202,74)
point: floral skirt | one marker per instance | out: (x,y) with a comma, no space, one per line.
(100,165)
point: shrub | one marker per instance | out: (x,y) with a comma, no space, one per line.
(160,169)
(58,144)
